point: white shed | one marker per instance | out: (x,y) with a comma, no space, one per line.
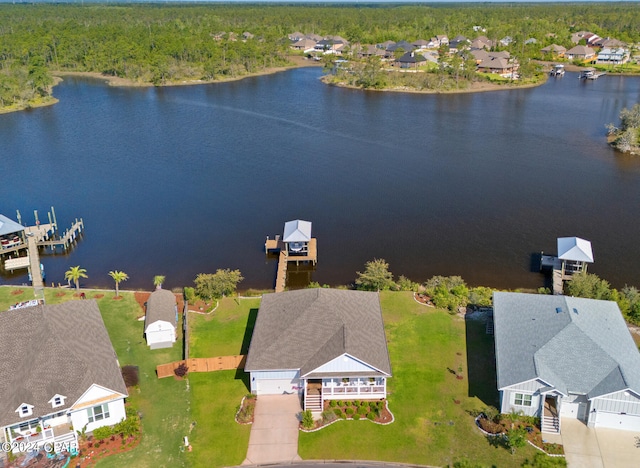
(161,319)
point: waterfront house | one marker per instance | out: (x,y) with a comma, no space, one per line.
(59,374)
(305,45)
(566,357)
(617,56)
(411,60)
(392,49)
(161,319)
(555,50)
(322,343)
(580,52)
(575,254)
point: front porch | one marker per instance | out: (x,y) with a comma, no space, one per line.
(549,416)
(316,391)
(40,433)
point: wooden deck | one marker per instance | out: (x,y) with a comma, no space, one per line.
(276,245)
(555,264)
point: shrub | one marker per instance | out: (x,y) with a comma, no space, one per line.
(371,416)
(348,403)
(372,404)
(356,402)
(181,370)
(338,412)
(340,403)
(356,417)
(349,411)
(380,405)
(363,410)
(102,433)
(332,403)
(307,419)
(328,416)
(363,403)
(130,376)
(190,294)
(130,426)
(342,415)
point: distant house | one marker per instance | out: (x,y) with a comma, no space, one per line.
(400,45)
(458,42)
(610,43)
(247,35)
(295,36)
(325,344)
(555,50)
(589,37)
(411,60)
(161,319)
(501,66)
(420,44)
(59,374)
(531,40)
(566,357)
(481,42)
(609,56)
(304,45)
(580,52)
(370,51)
(505,41)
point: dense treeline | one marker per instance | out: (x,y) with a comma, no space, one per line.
(160,43)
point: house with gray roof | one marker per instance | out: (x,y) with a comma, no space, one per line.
(324,344)
(161,319)
(59,375)
(580,52)
(566,357)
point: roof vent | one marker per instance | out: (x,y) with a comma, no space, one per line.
(558,310)
(575,311)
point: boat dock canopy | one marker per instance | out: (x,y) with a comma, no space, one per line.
(8,226)
(575,249)
(297,231)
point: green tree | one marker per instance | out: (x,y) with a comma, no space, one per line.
(516,438)
(590,286)
(118,277)
(158,280)
(74,274)
(219,284)
(376,276)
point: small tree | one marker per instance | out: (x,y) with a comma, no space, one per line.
(158,280)
(376,276)
(74,274)
(590,286)
(118,277)
(516,438)
(219,284)
(307,419)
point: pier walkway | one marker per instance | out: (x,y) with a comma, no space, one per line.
(277,245)
(555,264)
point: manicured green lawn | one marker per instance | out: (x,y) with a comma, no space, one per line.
(217,439)
(164,404)
(430,427)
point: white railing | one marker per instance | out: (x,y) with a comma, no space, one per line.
(353,390)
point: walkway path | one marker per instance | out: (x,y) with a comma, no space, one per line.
(274,432)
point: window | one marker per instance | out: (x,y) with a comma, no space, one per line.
(25,410)
(57,401)
(522,399)
(98,413)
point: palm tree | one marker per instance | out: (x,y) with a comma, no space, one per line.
(74,274)
(158,280)
(118,277)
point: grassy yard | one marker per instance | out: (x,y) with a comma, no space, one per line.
(164,404)
(432,426)
(217,440)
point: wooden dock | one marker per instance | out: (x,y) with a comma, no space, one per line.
(555,264)
(277,246)
(40,235)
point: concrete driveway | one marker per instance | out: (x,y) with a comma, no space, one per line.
(586,447)
(274,432)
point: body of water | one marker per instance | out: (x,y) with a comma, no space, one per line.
(185,180)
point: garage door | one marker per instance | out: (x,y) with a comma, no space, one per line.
(276,386)
(573,410)
(625,422)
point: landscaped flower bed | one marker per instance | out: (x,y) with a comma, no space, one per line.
(374,410)
(502,423)
(244,415)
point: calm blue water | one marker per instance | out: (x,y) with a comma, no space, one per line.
(179,181)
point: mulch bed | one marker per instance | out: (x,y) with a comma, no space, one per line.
(142,298)
(61,294)
(423,299)
(98,296)
(534,435)
(384,416)
(17,292)
(91,450)
(117,298)
(245,413)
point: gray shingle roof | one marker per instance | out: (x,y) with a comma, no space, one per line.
(161,306)
(307,328)
(53,349)
(584,348)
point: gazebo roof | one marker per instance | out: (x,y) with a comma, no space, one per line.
(8,226)
(297,231)
(574,249)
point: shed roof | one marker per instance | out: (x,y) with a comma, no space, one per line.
(574,344)
(161,306)
(8,226)
(307,328)
(297,231)
(60,349)
(575,249)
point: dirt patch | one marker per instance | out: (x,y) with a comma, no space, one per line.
(117,298)
(91,451)
(61,294)
(142,298)
(98,296)
(245,413)
(17,292)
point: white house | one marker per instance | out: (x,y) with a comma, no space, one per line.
(566,357)
(322,343)
(59,375)
(161,319)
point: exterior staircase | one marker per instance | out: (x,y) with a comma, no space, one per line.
(65,442)
(313,402)
(550,424)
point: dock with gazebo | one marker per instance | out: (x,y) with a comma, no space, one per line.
(295,245)
(574,254)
